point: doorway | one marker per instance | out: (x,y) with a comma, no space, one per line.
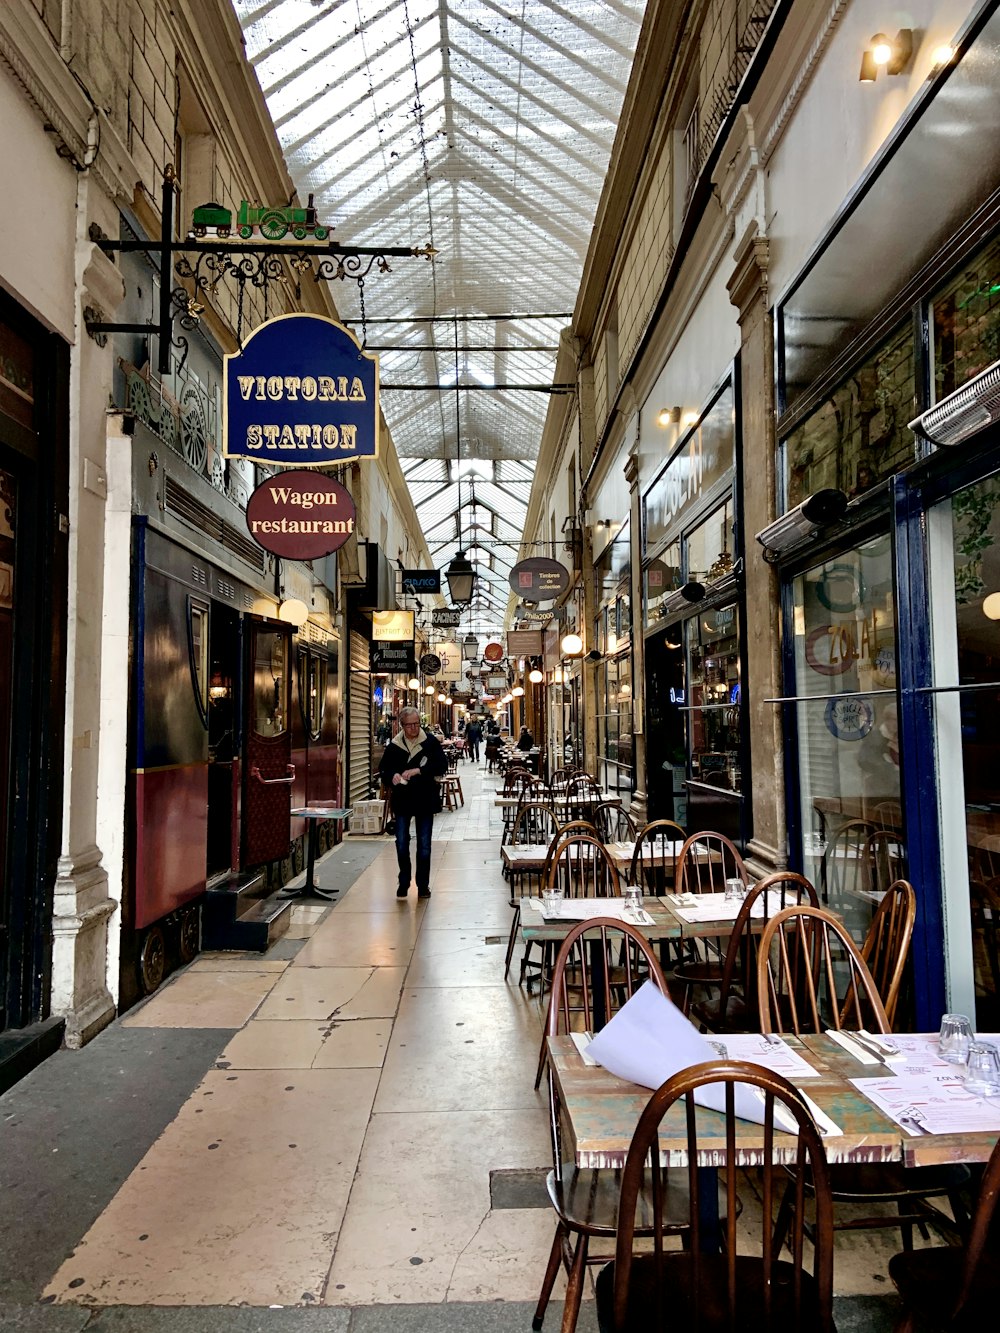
(223,741)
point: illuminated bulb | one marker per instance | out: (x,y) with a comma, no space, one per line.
(536,677)
(881,49)
(517,691)
(571,645)
(413,683)
(663,416)
(944,55)
(428,689)
(991,606)
(689,418)
(442,698)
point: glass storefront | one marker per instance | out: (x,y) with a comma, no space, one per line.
(613,638)
(846,729)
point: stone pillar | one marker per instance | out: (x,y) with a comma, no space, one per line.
(81,902)
(639,809)
(763,786)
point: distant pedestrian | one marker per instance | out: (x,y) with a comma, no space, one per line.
(410,768)
(525,741)
(473,735)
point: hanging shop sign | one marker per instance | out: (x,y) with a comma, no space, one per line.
(394,658)
(392,626)
(494,652)
(421,580)
(498,683)
(446,618)
(524,643)
(300,393)
(449,655)
(539,579)
(430,664)
(300,515)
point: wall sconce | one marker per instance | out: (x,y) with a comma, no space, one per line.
(517,691)
(428,689)
(881,53)
(442,698)
(413,683)
(942,56)
(991,606)
(818,511)
(571,645)
(293,612)
(668,416)
(603,523)
(535,676)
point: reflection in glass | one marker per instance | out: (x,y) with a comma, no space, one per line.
(713,639)
(270,683)
(705,457)
(845,656)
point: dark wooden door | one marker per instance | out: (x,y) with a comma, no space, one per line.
(268,770)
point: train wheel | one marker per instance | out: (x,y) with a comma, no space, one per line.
(273,225)
(246,232)
(299,233)
(298,856)
(190,935)
(152,959)
(321,233)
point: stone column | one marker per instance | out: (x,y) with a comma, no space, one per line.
(763,786)
(639,808)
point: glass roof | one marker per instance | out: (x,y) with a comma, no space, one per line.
(483,128)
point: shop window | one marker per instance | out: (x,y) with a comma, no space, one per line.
(858,435)
(713,639)
(662,577)
(710,546)
(965,322)
(844,628)
(703,459)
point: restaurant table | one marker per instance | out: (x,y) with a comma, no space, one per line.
(511,802)
(668,923)
(601,1112)
(314,814)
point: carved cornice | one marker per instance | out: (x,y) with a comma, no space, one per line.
(803,75)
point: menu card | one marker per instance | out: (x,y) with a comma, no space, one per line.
(585,909)
(648,1040)
(717,907)
(932,1103)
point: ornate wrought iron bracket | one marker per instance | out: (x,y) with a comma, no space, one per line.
(207,263)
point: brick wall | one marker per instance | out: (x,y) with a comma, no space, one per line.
(152,91)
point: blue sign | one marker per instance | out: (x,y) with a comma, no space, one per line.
(301,393)
(849,719)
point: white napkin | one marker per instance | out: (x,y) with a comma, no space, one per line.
(852,1047)
(649,1039)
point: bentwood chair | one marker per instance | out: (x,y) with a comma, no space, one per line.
(809,975)
(583,796)
(654,861)
(887,946)
(955,1287)
(600,966)
(746,1286)
(613,823)
(733,1006)
(706,861)
(535,826)
(844,869)
(573,829)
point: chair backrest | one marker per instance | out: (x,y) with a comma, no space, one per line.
(887,946)
(537,790)
(613,823)
(706,861)
(605,953)
(706,1284)
(809,973)
(978,1246)
(768,896)
(984,900)
(844,868)
(884,858)
(580,864)
(535,825)
(888,815)
(654,861)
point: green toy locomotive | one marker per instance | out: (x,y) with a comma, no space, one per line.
(273,224)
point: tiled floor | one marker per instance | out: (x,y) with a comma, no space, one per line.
(339,1152)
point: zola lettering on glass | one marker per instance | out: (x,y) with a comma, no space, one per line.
(300,393)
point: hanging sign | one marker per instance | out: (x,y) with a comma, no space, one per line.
(524,642)
(300,515)
(421,580)
(300,393)
(496,683)
(539,579)
(450,657)
(392,626)
(395,658)
(494,652)
(446,618)
(430,664)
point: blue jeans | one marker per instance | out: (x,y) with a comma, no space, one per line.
(425,827)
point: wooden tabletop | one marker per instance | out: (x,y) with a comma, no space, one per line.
(531,857)
(602,1111)
(509,802)
(666,926)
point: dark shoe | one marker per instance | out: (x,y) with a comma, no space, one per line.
(423,893)
(402,891)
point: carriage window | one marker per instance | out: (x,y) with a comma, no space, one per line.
(317,694)
(198,647)
(270,683)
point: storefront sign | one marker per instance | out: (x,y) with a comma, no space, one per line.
(430,664)
(421,580)
(524,643)
(392,626)
(539,579)
(450,657)
(300,393)
(498,683)
(301,515)
(494,652)
(394,658)
(443,618)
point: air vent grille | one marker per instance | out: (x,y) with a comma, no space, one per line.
(185,506)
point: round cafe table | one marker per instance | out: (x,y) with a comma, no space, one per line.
(314,814)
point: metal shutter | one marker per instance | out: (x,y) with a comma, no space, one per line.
(359,733)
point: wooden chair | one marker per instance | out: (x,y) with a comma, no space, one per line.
(535,826)
(581,866)
(747,1286)
(600,965)
(733,1007)
(887,946)
(544,966)
(583,796)
(952,1286)
(883,860)
(803,952)
(706,861)
(984,899)
(844,867)
(654,861)
(613,823)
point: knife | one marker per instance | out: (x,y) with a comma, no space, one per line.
(868,1046)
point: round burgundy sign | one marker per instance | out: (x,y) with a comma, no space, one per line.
(539,579)
(300,515)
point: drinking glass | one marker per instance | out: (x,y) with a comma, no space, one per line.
(632,896)
(953,1042)
(736,890)
(552,897)
(982,1069)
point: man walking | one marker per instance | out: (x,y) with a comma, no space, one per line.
(473,735)
(411,765)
